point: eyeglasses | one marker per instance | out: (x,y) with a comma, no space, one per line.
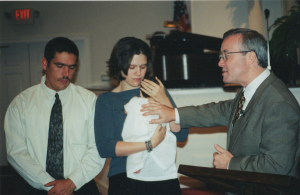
(224,54)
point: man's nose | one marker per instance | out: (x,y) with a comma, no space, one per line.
(66,71)
(221,62)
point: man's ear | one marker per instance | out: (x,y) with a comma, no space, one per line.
(44,63)
(251,57)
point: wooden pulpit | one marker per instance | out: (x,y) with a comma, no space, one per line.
(244,182)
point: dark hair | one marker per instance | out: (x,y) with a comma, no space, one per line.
(151,79)
(253,41)
(122,54)
(59,45)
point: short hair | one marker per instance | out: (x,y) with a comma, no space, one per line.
(253,41)
(151,79)
(122,54)
(59,45)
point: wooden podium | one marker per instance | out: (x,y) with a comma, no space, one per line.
(244,182)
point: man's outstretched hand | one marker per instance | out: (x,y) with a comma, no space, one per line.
(166,114)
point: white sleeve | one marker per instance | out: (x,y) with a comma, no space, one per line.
(17,150)
(228,164)
(177,119)
(91,164)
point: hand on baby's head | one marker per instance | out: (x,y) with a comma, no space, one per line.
(145,95)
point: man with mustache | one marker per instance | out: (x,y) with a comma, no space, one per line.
(49,128)
(263,120)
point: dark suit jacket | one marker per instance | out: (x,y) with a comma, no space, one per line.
(266,138)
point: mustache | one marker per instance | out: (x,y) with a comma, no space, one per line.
(64,77)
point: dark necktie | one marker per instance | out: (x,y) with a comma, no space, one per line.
(239,108)
(54,163)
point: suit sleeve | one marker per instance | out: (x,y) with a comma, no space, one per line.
(278,144)
(183,133)
(91,163)
(17,150)
(207,115)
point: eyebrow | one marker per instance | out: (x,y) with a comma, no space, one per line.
(59,63)
(137,65)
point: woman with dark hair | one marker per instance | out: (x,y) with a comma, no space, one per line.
(130,63)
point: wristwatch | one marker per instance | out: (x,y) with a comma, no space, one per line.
(148,145)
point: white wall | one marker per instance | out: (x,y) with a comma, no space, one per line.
(104,22)
(213,17)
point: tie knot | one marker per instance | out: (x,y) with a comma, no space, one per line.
(56,96)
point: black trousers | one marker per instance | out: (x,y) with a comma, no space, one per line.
(120,184)
(89,188)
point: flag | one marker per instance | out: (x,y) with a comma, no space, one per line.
(181,15)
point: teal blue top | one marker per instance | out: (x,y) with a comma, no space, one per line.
(109,120)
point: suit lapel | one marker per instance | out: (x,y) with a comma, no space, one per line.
(242,122)
(239,127)
(230,126)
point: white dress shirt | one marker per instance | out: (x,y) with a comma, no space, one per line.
(26,128)
(252,87)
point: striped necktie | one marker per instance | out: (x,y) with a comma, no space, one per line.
(239,108)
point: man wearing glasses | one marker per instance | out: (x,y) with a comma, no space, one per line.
(263,120)
(49,129)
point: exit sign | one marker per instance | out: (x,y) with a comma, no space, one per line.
(22,16)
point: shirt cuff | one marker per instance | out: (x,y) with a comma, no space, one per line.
(228,164)
(177,119)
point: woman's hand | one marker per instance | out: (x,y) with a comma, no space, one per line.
(157,92)
(158,136)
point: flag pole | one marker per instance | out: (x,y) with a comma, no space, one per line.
(267,14)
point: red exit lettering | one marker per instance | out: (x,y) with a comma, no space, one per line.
(22,14)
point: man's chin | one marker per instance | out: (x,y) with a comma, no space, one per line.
(63,87)
(225,81)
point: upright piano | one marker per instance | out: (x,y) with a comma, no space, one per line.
(186,60)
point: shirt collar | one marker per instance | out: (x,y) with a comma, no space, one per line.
(252,87)
(50,93)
